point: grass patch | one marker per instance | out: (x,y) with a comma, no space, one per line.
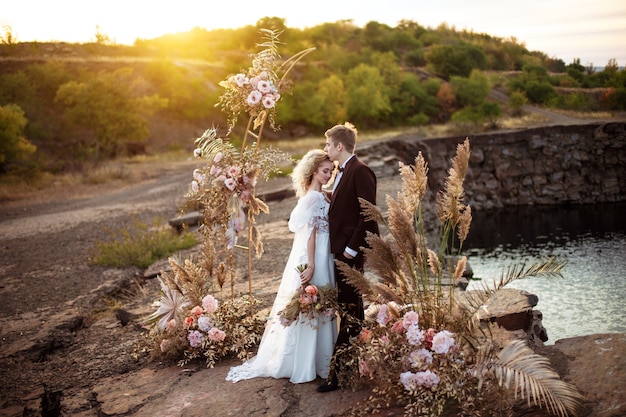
(140,244)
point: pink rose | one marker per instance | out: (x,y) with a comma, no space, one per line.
(365,336)
(311,290)
(210,304)
(196,311)
(216,335)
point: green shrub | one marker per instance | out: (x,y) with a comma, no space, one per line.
(140,244)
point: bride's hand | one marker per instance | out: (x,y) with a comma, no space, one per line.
(307,275)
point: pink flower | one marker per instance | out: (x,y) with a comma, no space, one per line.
(195,338)
(412,380)
(245,196)
(172,324)
(311,290)
(420,358)
(254,97)
(442,342)
(232,171)
(426,378)
(264,86)
(268,102)
(366,335)
(188,321)
(215,171)
(240,79)
(198,176)
(364,368)
(428,338)
(414,335)
(398,327)
(383,315)
(409,319)
(216,335)
(218,157)
(305,300)
(194,186)
(210,304)
(165,345)
(196,311)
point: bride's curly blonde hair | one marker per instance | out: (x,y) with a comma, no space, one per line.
(302,174)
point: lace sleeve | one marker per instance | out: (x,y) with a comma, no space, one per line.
(309,213)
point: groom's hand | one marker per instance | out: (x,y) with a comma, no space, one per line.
(347,255)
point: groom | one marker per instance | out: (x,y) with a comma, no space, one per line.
(348,226)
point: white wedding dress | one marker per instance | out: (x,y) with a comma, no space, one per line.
(302,350)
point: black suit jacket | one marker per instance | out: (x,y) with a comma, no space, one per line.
(347,225)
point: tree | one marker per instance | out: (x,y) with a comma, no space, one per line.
(112,107)
(470,91)
(14,147)
(368,97)
(449,60)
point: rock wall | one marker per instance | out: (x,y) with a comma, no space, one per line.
(577,164)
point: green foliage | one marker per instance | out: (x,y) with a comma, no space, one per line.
(540,92)
(140,244)
(112,106)
(451,60)
(517,100)
(368,95)
(470,91)
(14,147)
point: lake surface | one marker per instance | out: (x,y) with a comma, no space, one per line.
(591,296)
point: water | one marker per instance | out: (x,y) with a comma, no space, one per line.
(590,298)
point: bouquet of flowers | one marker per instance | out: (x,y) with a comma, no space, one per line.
(310,302)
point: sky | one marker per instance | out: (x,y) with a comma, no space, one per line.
(592,31)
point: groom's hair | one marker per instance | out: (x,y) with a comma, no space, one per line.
(344,134)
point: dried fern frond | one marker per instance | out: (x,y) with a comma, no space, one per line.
(530,376)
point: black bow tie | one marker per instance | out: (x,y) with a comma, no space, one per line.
(341,169)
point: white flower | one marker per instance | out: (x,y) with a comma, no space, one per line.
(230,183)
(205,323)
(194,186)
(254,98)
(442,342)
(409,319)
(197,152)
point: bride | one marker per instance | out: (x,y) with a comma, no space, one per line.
(302,350)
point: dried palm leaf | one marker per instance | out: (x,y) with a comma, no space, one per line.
(530,376)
